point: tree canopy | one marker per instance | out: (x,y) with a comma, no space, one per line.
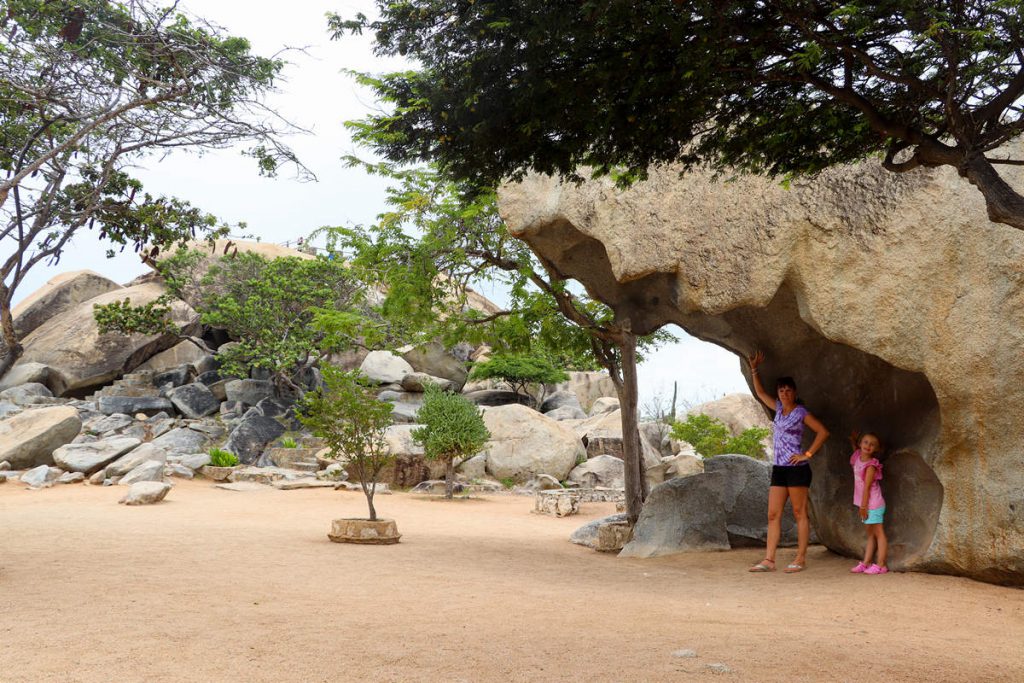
(90,88)
(781,87)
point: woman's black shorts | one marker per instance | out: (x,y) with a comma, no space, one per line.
(791,475)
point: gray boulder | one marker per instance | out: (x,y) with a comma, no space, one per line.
(146,493)
(133,458)
(586,535)
(70,478)
(566,413)
(249,391)
(182,441)
(185,354)
(492,398)
(60,294)
(30,437)
(432,359)
(251,435)
(603,470)
(107,423)
(42,476)
(418,381)
(25,373)
(26,394)
(745,501)
(605,404)
(174,376)
(561,399)
(195,461)
(194,400)
(682,515)
(131,405)
(150,470)
(7,409)
(404,413)
(89,457)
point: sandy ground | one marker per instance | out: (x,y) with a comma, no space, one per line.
(215,585)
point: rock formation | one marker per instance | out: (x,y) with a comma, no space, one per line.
(892,300)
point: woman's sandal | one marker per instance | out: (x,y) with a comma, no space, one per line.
(793,568)
(764,565)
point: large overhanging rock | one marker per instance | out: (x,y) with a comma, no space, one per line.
(80,358)
(60,294)
(892,299)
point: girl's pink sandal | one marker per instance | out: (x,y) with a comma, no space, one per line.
(859,569)
(875,569)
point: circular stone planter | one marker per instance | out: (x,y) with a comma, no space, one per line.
(354,530)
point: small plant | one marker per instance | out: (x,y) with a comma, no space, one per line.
(509,483)
(452,428)
(348,416)
(520,372)
(289,442)
(710,437)
(222,458)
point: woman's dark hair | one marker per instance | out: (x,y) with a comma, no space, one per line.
(785,382)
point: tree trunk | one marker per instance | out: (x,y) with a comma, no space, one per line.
(449,478)
(636,484)
(369,491)
(1003,203)
(12,348)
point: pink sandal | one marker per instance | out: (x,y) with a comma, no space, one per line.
(859,569)
(875,569)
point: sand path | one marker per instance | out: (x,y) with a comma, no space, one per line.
(215,585)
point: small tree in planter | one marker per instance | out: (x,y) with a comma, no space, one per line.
(452,428)
(520,371)
(353,422)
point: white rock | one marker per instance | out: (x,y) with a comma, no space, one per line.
(146,493)
(525,443)
(41,476)
(682,465)
(384,367)
(29,438)
(603,470)
(89,457)
(605,404)
(151,470)
(135,457)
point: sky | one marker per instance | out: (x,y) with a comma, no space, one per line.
(317,96)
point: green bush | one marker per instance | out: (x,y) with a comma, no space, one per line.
(710,437)
(453,427)
(222,458)
(348,416)
(289,442)
(520,372)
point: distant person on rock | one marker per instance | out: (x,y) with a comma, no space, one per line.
(791,471)
(867,495)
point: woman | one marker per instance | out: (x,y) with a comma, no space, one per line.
(791,471)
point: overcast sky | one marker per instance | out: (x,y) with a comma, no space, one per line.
(318,97)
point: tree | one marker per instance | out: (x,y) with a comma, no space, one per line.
(782,87)
(459,239)
(89,89)
(453,428)
(521,371)
(348,416)
(710,437)
(287,314)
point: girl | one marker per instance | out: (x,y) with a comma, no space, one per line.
(867,495)
(791,471)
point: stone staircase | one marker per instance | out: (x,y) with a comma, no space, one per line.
(133,393)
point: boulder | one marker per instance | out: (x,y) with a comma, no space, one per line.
(70,478)
(81,359)
(432,359)
(605,404)
(418,381)
(474,468)
(186,353)
(745,499)
(29,438)
(42,476)
(126,463)
(251,435)
(602,470)
(891,298)
(384,367)
(586,535)
(249,391)
(588,386)
(560,399)
(404,413)
(175,377)
(194,400)
(182,441)
(7,408)
(657,434)
(566,413)
(497,397)
(25,373)
(682,465)
(146,493)
(26,394)
(59,295)
(150,470)
(685,514)
(525,443)
(132,405)
(103,425)
(602,435)
(89,457)
(195,461)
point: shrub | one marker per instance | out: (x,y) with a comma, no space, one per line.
(348,416)
(222,458)
(521,371)
(710,437)
(453,427)
(289,442)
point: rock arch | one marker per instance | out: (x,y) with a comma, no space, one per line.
(892,299)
